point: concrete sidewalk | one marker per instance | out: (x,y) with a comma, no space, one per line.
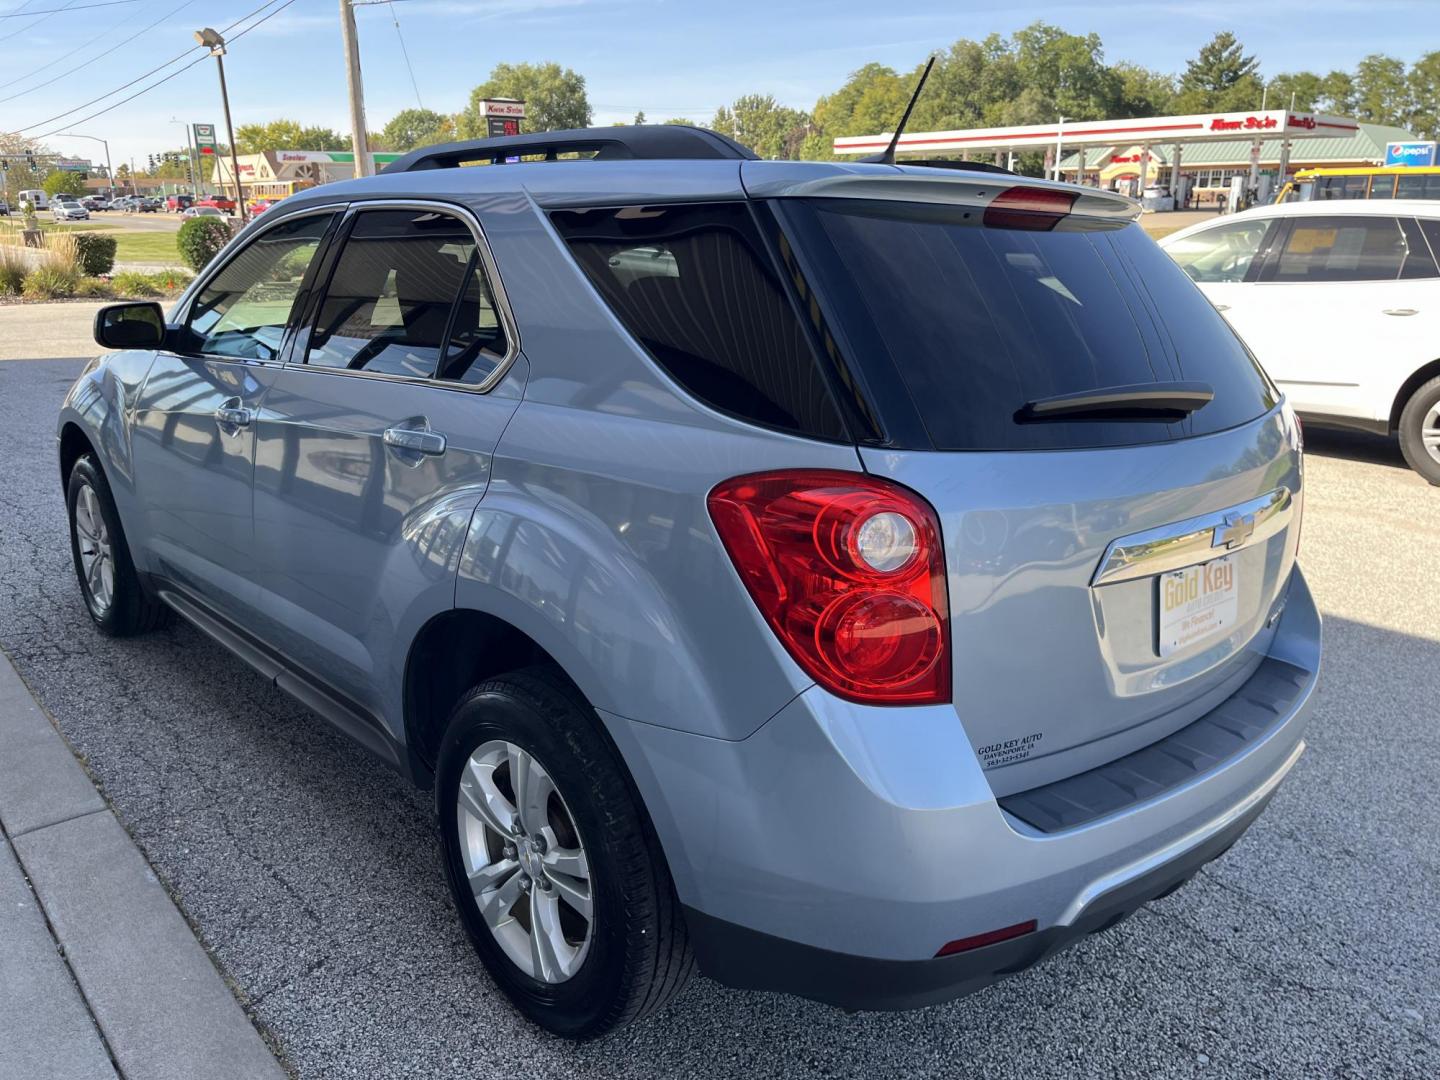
(100,975)
(49,331)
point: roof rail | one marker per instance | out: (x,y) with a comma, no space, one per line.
(627,142)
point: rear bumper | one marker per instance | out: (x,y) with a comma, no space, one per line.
(834,852)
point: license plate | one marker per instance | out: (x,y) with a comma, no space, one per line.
(1197,603)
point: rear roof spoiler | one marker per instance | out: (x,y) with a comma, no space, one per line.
(674,142)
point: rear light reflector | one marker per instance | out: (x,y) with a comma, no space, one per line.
(990,937)
(848,571)
(1036,209)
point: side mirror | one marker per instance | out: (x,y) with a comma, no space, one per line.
(140,325)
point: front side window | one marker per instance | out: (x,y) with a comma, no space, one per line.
(243,310)
(1340,249)
(388,302)
(1223,253)
(695,286)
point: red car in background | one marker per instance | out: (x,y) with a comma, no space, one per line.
(219,202)
(176,203)
(259,206)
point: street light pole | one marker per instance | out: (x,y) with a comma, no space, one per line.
(216,44)
(359,137)
(110,173)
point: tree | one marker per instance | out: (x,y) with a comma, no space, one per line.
(287,135)
(554,98)
(1305,88)
(1143,92)
(1424,80)
(685,120)
(1337,93)
(412,128)
(1221,78)
(640,117)
(760,122)
(58,182)
(1382,93)
(870,101)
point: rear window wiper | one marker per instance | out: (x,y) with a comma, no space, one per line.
(1165,401)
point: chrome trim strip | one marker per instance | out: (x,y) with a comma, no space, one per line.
(1195,540)
(1100,886)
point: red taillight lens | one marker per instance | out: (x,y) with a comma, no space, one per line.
(1037,209)
(990,937)
(848,571)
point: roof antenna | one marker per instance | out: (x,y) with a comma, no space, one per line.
(888,157)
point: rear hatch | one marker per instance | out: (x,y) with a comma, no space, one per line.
(1114,567)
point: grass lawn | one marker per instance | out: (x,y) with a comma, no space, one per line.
(150,247)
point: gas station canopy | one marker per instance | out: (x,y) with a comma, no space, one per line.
(1164,130)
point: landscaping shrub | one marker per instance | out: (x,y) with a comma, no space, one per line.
(51,282)
(95,288)
(96,252)
(13,267)
(200,238)
(133,284)
(62,254)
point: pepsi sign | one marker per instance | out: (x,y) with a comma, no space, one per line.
(1410,153)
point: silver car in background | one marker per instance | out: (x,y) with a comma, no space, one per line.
(857,581)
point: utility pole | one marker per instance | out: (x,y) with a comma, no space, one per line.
(216,44)
(359,137)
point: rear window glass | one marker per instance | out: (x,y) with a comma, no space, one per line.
(696,287)
(1340,249)
(976,322)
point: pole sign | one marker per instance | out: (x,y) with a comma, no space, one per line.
(1410,153)
(502,116)
(205,138)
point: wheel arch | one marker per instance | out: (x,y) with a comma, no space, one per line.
(74,443)
(1407,389)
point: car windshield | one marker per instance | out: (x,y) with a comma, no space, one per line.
(974,322)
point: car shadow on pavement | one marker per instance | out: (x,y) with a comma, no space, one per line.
(1355,445)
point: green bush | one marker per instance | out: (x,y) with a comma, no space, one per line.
(50,283)
(132,283)
(95,288)
(200,238)
(96,253)
(13,267)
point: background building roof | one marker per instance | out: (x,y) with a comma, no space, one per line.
(1367,144)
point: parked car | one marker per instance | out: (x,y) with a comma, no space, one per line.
(36,197)
(259,206)
(150,205)
(95,203)
(1340,301)
(857,581)
(179,203)
(218,202)
(66,209)
(4,208)
(202,211)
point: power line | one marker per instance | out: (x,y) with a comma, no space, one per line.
(17,13)
(161,81)
(84,64)
(406,54)
(68,7)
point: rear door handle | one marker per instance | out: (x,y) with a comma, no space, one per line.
(233,416)
(1401,311)
(1222,307)
(417,441)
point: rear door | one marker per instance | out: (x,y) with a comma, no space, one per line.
(375,444)
(1340,302)
(1073,547)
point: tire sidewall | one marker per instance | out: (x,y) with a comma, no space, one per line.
(579,1004)
(1411,425)
(85,473)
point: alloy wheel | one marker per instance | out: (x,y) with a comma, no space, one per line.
(97,562)
(525,861)
(1430,432)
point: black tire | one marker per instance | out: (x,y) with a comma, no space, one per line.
(638,956)
(131,610)
(1412,422)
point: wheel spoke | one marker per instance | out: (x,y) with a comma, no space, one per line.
(491,875)
(548,947)
(92,576)
(481,800)
(495,904)
(568,861)
(574,891)
(532,786)
(84,524)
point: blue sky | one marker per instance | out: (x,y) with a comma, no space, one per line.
(667,57)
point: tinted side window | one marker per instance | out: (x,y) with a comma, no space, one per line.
(389,298)
(696,287)
(477,341)
(1340,249)
(1421,186)
(1419,259)
(242,312)
(1223,253)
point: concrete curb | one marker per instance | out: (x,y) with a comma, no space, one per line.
(106,977)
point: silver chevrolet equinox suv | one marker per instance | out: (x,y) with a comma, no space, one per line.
(852,580)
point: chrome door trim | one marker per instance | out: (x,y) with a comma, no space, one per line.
(1195,540)
(492,273)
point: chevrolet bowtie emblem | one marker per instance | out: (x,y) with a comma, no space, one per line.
(1236,530)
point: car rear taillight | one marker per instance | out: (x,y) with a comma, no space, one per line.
(849,573)
(1037,209)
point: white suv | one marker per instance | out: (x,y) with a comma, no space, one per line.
(1340,301)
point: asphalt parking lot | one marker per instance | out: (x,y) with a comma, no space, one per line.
(311,872)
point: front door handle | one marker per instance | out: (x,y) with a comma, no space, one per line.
(415,440)
(1401,311)
(1222,307)
(233,416)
